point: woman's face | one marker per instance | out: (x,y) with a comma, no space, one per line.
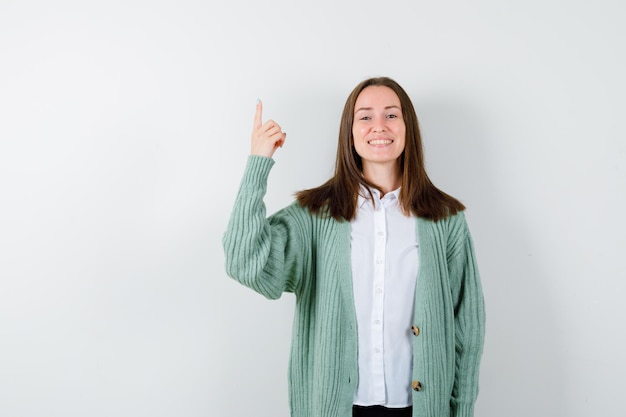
(378,128)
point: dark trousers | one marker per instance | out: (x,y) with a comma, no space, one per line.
(380,411)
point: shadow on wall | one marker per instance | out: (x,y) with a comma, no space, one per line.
(521,359)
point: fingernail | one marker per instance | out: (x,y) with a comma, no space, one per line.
(258,100)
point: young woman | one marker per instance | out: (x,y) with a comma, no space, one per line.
(389,314)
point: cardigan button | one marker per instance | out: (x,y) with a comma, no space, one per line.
(416,385)
(416,330)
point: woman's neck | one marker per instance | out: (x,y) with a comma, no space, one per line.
(385,176)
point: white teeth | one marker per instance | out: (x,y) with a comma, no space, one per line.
(380,142)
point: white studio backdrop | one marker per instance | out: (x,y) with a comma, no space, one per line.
(124,129)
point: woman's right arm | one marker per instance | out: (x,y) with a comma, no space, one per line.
(267,255)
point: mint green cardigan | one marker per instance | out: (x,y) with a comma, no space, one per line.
(309,255)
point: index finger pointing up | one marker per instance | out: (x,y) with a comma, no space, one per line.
(258,119)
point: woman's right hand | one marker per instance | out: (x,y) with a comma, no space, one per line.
(266,137)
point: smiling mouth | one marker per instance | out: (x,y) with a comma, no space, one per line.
(380,141)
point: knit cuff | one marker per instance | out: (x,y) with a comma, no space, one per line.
(463,410)
(257,170)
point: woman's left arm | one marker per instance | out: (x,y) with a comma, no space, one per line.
(469,318)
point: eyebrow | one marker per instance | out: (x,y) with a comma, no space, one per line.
(370,108)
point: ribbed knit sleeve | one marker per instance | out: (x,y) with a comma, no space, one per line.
(469,319)
(266,255)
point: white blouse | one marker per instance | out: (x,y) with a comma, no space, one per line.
(384,254)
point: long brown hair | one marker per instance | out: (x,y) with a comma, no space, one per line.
(338,196)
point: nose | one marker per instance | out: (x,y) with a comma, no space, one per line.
(379,125)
